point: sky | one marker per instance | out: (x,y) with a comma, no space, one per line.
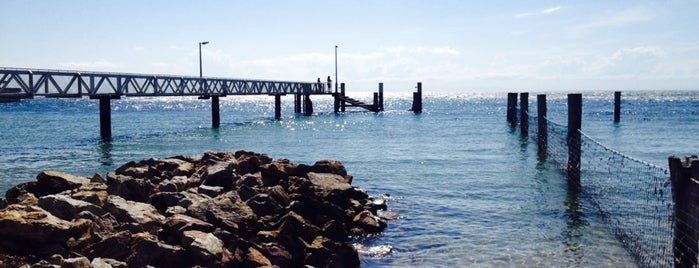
(449,46)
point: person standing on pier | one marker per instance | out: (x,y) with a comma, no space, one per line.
(330,83)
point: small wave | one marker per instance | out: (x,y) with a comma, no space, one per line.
(380,251)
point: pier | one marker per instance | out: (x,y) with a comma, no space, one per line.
(24,83)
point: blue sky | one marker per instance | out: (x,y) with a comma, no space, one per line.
(450,46)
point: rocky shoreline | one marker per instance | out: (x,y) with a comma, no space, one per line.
(221,209)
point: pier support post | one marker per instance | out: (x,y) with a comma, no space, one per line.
(685,196)
(380,96)
(617,106)
(376,102)
(573,140)
(417,99)
(336,102)
(308,105)
(342,93)
(297,103)
(524,114)
(542,125)
(215,114)
(105,119)
(512,108)
(277,107)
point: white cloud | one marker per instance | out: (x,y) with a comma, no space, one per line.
(618,19)
(545,11)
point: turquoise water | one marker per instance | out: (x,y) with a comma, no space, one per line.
(469,190)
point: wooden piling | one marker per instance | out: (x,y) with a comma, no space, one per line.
(297,103)
(512,108)
(685,194)
(277,107)
(215,114)
(542,124)
(342,93)
(105,119)
(417,99)
(617,106)
(524,114)
(573,140)
(380,96)
(376,102)
(308,105)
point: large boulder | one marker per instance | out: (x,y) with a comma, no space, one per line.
(206,247)
(52,182)
(227,206)
(135,216)
(65,207)
(33,225)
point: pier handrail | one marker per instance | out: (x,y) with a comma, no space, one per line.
(67,83)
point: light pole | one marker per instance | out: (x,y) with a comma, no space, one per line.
(336,69)
(200,44)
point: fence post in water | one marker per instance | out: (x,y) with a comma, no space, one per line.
(542,125)
(617,106)
(573,140)
(512,108)
(524,113)
(685,192)
(297,103)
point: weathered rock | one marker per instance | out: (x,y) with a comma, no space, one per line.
(116,246)
(147,250)
(135,215)
(255,258)
(166,186)
(32,224)
(323,252)
(204,246)
(330,166)
(52,182)
(12,195)
(179,223)
(226,206)
(179,166)
(107,263)
(263,204)
(96,198)
(163,200)
(79,262)
(130,188)
(211,191)
(65,207)
(369,222)
(273,172)
(220,174)
(280,195)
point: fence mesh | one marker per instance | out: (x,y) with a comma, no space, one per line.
(633,196)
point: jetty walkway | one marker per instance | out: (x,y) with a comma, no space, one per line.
(24,83)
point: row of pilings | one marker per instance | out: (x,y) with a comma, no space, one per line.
(684,175)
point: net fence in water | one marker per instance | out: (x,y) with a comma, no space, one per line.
(633,196)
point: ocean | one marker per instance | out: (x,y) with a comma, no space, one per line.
(468,189)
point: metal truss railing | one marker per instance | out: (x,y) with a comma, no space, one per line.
(27,83)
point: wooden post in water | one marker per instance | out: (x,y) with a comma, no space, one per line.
(542,125)
(512,108)
(342,93)
(524,114)
(297,103)
(277,106)
(380,96)
(308,105)
(417,99)
(573,140)
(215,114)
(105,118)
(617,106)
(685,194)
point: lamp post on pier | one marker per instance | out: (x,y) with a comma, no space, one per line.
(200,44)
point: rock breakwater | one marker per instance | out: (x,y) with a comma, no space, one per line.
(221,209)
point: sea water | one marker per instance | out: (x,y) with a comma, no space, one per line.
(467,188)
